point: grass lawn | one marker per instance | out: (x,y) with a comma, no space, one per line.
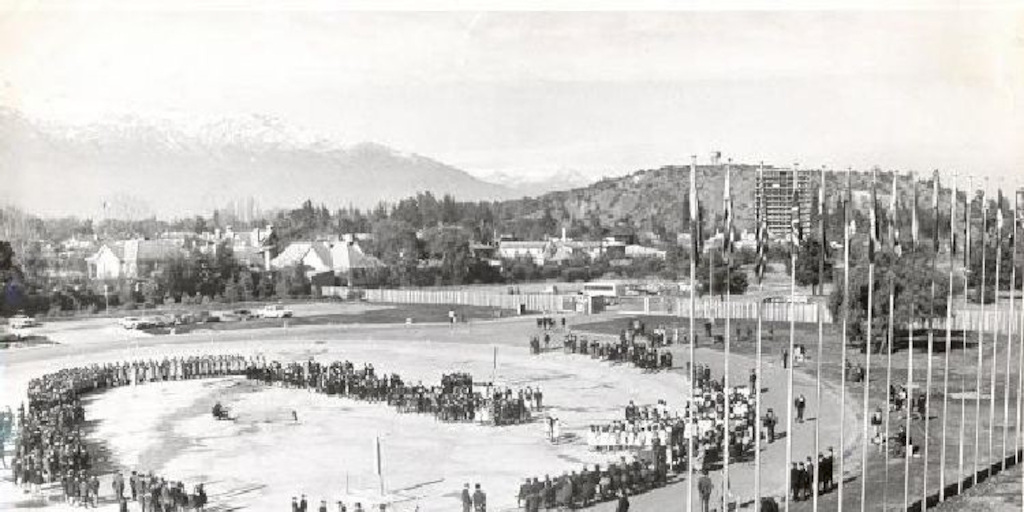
(387,314)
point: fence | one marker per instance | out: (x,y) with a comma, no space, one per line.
(715,308)
(538,302)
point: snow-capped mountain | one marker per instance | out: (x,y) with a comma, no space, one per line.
(186,167)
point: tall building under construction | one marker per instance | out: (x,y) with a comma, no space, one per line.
(774,198)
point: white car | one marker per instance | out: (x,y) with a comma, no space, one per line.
(21,322)
(274,311)
(131,322)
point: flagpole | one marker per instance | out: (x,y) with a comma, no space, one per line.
(794,221)
(761,249)
(981,339)
(821,335)
(995,334)
(727,251)
(817,421)
(930,338)
(894,241)
(910,356)
(888,382)
(873,235)
(1009,329)
(692,423)
(963,343)
(1020,334)
(847,223)
(949,342)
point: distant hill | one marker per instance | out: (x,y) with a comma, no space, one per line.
(656,200)
(143,167)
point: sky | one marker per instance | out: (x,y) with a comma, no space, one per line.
(531,93)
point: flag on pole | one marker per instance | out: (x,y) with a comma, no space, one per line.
(727,208)
(873,234)
(894,224)
(914,227)
(935,209)
(849,224)
(796,226)
(967,228)
(823,227)
(762,228)
(695,230)
(999,212)
(952,223)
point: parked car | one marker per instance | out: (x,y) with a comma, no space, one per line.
(130,322)
(274,311)
(22,322)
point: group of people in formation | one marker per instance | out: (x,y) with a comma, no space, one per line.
(637,348)
(456,399)
(802,476)
(570,490)
(642,428)
(49,446)
(708,413)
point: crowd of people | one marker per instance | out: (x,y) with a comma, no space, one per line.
(574,489)
(456,399)
(708,414)
(641,351)
(49,447)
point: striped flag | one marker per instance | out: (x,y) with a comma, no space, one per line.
(873,234)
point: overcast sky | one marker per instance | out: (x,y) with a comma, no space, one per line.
(601,93)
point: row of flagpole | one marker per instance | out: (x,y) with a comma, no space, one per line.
(874,246)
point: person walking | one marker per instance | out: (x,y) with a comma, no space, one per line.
(705,487)
(801,404)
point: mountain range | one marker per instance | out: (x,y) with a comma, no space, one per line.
(135,167)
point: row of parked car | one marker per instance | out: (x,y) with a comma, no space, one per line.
(172,319)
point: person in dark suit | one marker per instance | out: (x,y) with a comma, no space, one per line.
(479,500)
(623,504)
(794,482)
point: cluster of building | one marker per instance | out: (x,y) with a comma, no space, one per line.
(563,250)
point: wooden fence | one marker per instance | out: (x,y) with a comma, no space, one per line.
(532,302)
